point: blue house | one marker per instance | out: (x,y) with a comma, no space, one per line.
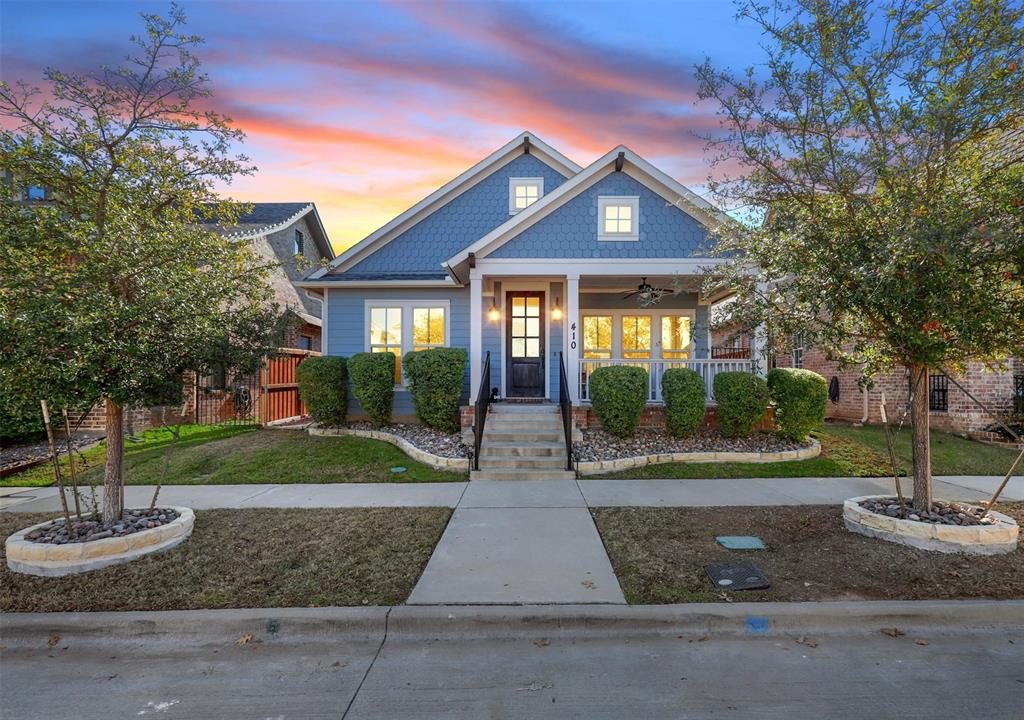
(531,262)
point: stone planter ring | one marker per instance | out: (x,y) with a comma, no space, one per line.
(50,560)
(994,539)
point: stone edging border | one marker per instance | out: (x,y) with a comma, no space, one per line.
(590,467)
(438,462)
(1000,537)
(49,560)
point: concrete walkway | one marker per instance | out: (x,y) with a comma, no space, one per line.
(562,493)
(519,542)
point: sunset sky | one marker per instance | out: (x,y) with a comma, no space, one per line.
(364,108)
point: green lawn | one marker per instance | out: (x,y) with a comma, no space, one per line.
(848,451)
(951,454)
(220,455)
(267,557)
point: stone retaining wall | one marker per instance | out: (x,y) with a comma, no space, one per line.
(591,467)
(438,462)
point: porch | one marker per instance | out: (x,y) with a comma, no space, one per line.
(533,316)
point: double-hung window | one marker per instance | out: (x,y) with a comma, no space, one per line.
(524,192)
(597,337)
(402,326)
(618,217)
(636,336)
(675,337)
(798,350)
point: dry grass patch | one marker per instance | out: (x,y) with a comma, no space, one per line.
(659,556)
(250,558)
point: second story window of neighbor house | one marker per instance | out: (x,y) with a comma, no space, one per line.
(523,192)
(300,243)
(618,218)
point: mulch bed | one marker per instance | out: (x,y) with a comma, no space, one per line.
(597,444)
(659,556)
(87,530)
(250,558)
(425,438)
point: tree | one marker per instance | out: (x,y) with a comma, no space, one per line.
(109,288)
(882,145)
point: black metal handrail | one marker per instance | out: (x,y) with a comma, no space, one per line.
(565,405)
(483,402)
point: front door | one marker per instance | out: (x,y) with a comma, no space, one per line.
(524,344)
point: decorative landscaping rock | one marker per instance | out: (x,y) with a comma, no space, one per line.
(652,447)
(600,445)
(430,447)
(946,527)
(17,458)
(48,549)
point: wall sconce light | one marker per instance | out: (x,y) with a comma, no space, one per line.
(494,315)
(556,311)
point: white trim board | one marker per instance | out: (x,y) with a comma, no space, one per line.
(635,166)
(446,193)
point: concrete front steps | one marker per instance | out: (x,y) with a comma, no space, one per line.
(523,442)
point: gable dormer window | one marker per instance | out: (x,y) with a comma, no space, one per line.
(524,192)
(300,243)
(618,217)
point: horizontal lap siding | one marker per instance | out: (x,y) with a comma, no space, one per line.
(346,330)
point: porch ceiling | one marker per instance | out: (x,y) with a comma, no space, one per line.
(628,283)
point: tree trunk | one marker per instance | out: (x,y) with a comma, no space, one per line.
(921,443)
(113,478)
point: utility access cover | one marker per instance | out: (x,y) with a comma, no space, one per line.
(740,542)
(737,576)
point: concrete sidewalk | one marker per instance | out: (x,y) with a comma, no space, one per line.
(535,493)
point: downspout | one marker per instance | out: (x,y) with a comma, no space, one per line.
(864,394)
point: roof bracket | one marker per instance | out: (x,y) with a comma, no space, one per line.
(526,145)
(619,161)
(472,260)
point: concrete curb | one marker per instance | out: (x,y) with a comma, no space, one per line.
(417,623)
(592,467)
(438,462)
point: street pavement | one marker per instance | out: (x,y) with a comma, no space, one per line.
(528,663)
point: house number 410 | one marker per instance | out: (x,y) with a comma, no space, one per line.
(572,341)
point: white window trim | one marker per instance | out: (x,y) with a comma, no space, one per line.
(798,351)
(633,201)
(514,182)
(407,307)
(616,316)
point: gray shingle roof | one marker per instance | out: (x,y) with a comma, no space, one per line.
(364,276)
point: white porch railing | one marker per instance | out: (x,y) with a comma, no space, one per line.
(656,368)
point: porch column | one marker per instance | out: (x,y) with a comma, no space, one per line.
(573,334)
(476,310)
(759,342)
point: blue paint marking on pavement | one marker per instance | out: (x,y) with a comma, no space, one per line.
(757,625)
(740,542)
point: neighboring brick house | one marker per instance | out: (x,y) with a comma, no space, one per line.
(284,233)
(950,408)
(281,232)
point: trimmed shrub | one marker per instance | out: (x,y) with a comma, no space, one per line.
(373,384)
(618,394)
(435,380)
(323,387)
(684,393)
(742,399)
(20,421)
(800,398)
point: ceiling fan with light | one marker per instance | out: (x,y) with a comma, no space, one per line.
(645,291)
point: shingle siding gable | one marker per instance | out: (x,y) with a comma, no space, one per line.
(570,231)
(459,223)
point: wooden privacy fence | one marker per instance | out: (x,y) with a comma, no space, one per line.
(279,398)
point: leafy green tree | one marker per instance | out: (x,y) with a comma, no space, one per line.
(109,286)
(882,144)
